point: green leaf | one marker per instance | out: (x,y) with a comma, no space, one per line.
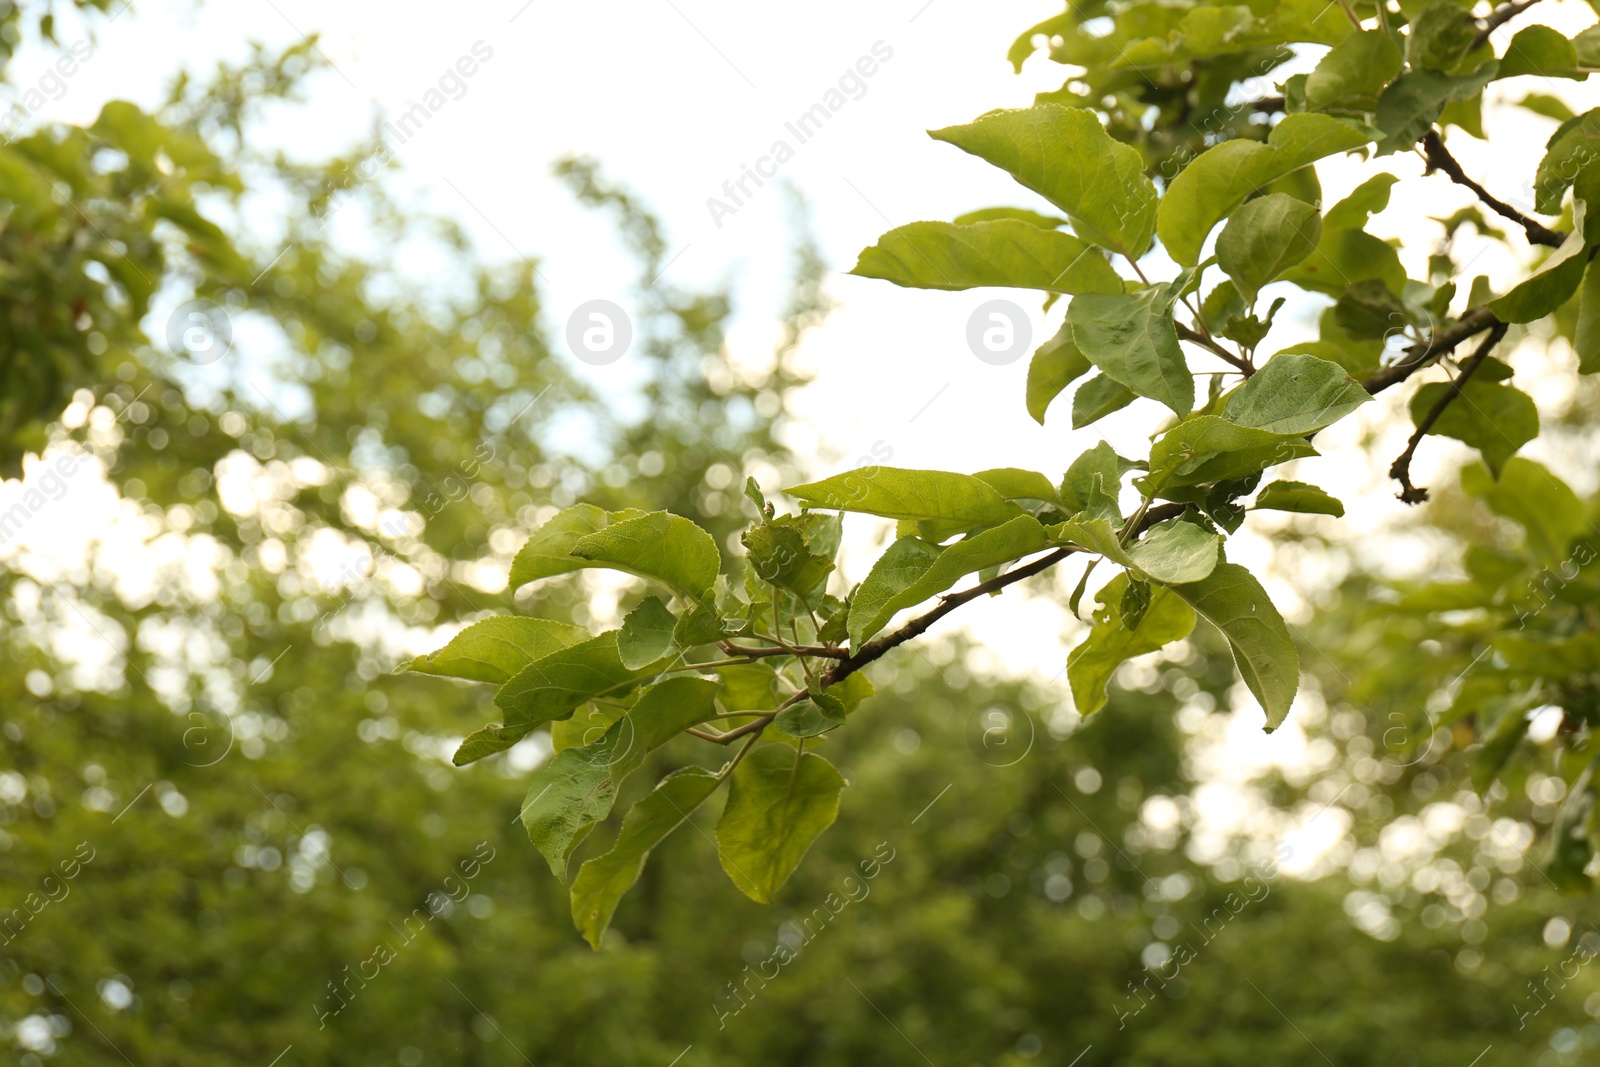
(1234,602)
(1354,73)
(1369,310)
(748,687)
(1016,484)
(602,881)
(1346,258)
(780,553)
(1223,176)
(1056,364)
(1529,495)
(811,717)
(1440,36)
(1111,642)
(1294,394)
(1300,497)
(910,494)
(553,686)
(494,650)
(574,789)
(1411,105)
(940,255)
(1021,214)
(660,545)
(1553,283)
(646,635)
(549,551)
(1132,339)
(1495,419)
(1266,237)
(1173,551)
(777,807)
(1209,448)
(1094,477)
(1587,337)
(1366,200)
(1065,155)
(912,570)
(488,741)
(1542,52)
(1573,147)
(1097,398)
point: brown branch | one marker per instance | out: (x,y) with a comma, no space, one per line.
(885,643)
(1499,17)
(821,651)
(1439,158)
(1210,345)
(1400,471)
(1441,343)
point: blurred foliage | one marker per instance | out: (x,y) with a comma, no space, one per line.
(227,835)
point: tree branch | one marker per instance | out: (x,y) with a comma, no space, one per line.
(885,643)
(1441,343)
(1400,471)
(1499,17)
(1439,158)
(1210,345)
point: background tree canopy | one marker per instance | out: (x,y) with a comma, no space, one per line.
(865,842)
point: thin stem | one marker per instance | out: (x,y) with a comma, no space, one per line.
(1351,14)
(1439,158)
(823,651)
(737,757)
(1424,353)
(1204,340)
(1401,469)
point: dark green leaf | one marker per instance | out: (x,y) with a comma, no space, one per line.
(1132,339)
(1234,602)
(1056,364)
(811,717)
(1264,238)
(1413,102)
(1097,398)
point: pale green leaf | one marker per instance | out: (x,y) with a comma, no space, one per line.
(910,494)
(815,715)
(552,686)
(1132,339)
(1354,72)
(775,810)
(1587,337)
(602,881)
(1056,364)
(1015,484)
(1300,497)
(646,635)
(1098,397)
(1294,393)
(1234,602)
(1223,176)
(1264,238)
(1573,147)
(1110,643)
(1008,253)
(1209,448)
(549,551)
(1065,155)
(494,650)
(1553,284)
(666,547)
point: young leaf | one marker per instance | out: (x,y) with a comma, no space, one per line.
(660,545)
(574,789)
(1266,237)
(816,714)
(602,881)
(488,741)
(495,649)
(1495,419)
(552,686)
(646,635)
(1015,484)
(941,255)
(1553,283)
(1208,448)
(1166,618)
(1173,551)
(1065,155)
(1097,398)
(780,801)
(549,551)
(1354,73)
(1056,364)
(1409,107)
(1574,146)
(1234,602)
(910,494)
(1223,176)
(1095,477)
(1294,394)
(1133,340)
(1301,497)
(912,570)
(1021,214)
(1587,337)
(1540,51)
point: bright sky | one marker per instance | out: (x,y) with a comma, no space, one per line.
(675,98)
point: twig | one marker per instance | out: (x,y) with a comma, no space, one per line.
(1499,17)
(1352,15)
(789,650)
(1210,345)
(1425,352)
(1439,158)
(1400,471)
